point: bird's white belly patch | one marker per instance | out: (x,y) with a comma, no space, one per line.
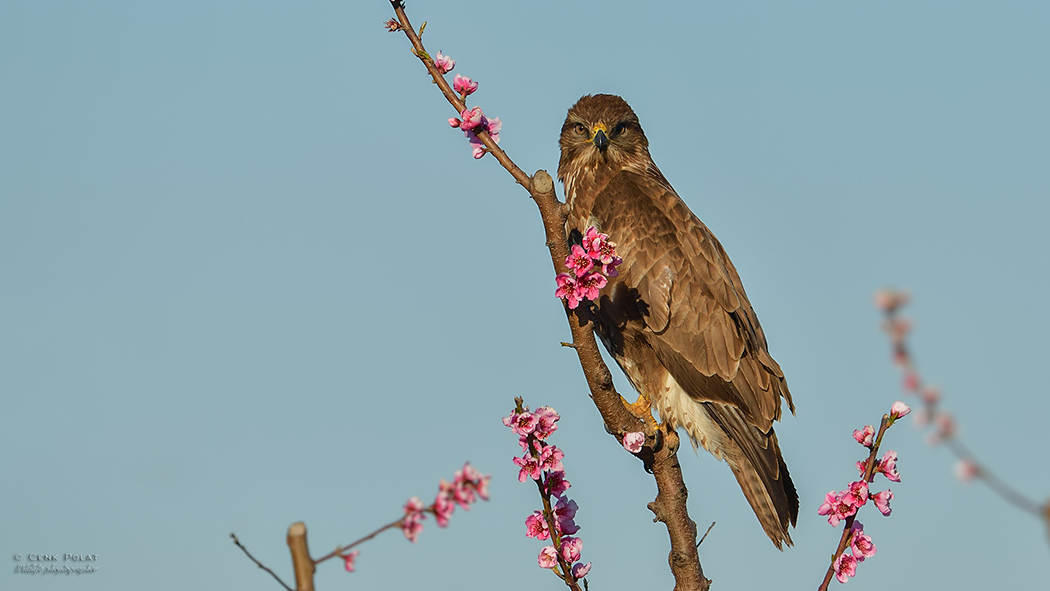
(678,408)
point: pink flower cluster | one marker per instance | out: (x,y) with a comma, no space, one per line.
(466,487)
(862,548)
(843,505)
(471,120)
(590,264)
(542,462)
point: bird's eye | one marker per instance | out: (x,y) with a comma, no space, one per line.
(620,129)
(579,128)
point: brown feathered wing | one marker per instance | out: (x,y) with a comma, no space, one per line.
(684,307)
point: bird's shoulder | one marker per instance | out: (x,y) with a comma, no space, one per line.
(659,236)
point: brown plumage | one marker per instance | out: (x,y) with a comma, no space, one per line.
(677,319)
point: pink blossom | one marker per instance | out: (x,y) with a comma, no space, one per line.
(633,442)
(599,247)
(578,261)
(464,86)
(443,509)
(610,268)
(350,558)
(454,121)
(525,423)
(548,557)
(931,395)
(888,466)
(835,508)
(546,424)
(945,428)
(898,328)
(845,567)
(580,570)
(966,470)
(556,483)
(565,513)
(530,468)
(856,494)
(860,543)
(467,485)
(550,459)
(862,466)
(567,290)
(392,25)
(882,501)
(865,436)
(536,526)
(444,63)
(469,476)
(911,381)
(571,548)
(471,118)
(921,418)
(493,125)
(411,523)
(889,300)
(588,285)
(899,409)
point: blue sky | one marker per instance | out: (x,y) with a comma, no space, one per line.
(251,277)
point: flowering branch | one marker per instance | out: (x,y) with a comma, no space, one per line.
(844,505)
(620,417)
(467,487)
(543,463)
(890,302)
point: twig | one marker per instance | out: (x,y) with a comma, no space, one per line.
(705,534)
(257,563)
(340,549)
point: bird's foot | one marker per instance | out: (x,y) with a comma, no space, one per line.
(643,410)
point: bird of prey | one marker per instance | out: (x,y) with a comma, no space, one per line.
(676,318)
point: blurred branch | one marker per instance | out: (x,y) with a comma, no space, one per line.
(660,454)
(891,302)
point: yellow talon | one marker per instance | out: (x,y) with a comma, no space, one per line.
(642,409)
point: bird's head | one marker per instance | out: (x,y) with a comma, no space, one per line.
(600,131)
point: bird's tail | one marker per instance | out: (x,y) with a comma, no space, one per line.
(775,502)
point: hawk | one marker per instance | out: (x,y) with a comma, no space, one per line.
(676,318)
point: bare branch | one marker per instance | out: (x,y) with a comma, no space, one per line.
(257,563)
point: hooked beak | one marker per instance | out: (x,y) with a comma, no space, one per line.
(600,139)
